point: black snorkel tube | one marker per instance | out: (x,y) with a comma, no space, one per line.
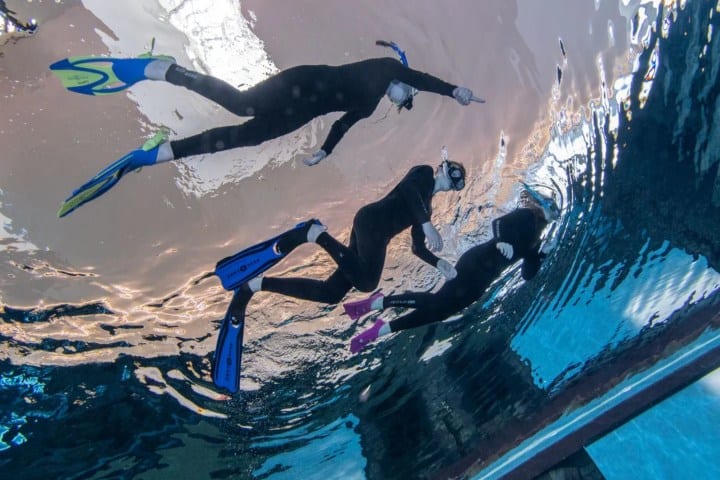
(408,103)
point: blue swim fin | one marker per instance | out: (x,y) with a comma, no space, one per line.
(228,351)
(237,269)
(95,75)
(110,175)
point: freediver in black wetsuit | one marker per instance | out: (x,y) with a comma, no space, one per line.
(287,101)
(277,106)
(361,262)
(516,236)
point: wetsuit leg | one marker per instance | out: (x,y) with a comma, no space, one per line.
(352,272)
(268,97)
(455,295)
(253,132)
(477,269)
(363,260)
(359,265)
(328,291)
(279,105)
(410,300)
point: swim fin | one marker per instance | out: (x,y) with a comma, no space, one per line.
(237,269)
(359,308)
(110,175)
(95,75)
(228,351)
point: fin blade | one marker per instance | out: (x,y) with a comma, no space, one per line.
(97,75)
(96,186)
(228,355)
(86,193)
(237,269)
(87,75)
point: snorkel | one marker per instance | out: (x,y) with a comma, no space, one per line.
(394,46)
(399,93)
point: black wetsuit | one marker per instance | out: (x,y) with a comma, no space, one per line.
(360,263)
(287,101)
(476,270)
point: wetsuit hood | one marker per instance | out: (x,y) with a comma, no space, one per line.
(401,94)
(455,172)
(549,207)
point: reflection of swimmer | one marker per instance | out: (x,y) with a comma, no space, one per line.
(153,379)
(11,27)
(199,389)
(516,236)
(277,106)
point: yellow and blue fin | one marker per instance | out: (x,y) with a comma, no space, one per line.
(96,75)
(110,175)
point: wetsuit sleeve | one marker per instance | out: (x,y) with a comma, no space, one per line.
(519,229)
(531,265)
(516,228)
(425,82)
(420,249)
(341,126)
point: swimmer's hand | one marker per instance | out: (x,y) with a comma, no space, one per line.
(505,249)
(315,159)
(446,269)
(434,240)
